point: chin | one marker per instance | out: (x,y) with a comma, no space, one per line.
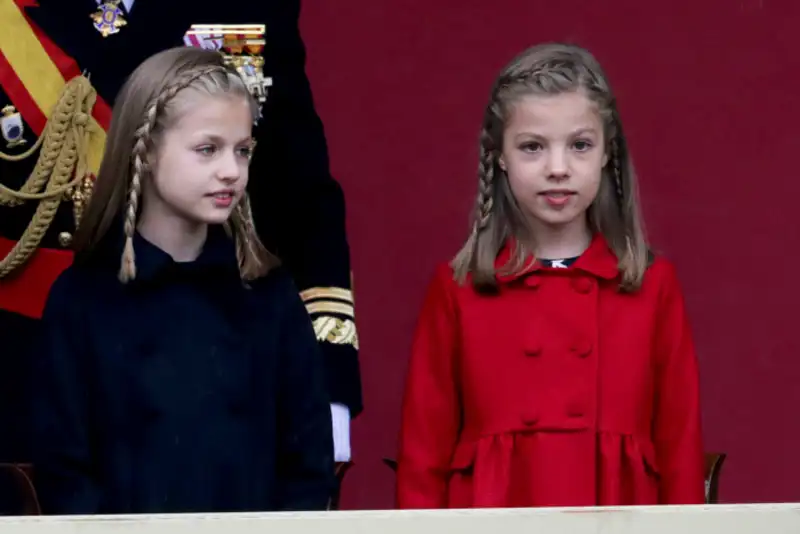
(556,219)
(216,217)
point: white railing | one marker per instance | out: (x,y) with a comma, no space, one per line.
(724,519)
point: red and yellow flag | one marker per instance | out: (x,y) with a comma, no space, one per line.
(34,71)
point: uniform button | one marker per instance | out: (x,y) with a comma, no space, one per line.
(533,281)
(581,348)
(530,419)
(582,285)
(65,239)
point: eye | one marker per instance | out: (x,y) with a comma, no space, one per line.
(530,146)
(245,152)
(206,150)
(582,145)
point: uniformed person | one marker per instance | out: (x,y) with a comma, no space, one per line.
(53,123)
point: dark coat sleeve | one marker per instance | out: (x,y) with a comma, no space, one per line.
(305,441)
(299,208)
(62,453)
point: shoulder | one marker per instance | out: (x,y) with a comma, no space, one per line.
(72,282)
(442,288)
(277,285)
(661,276)
(285,11)
(444,279)
(72,289)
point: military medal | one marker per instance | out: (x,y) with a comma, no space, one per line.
(12,127)
(241,45)
(108,18)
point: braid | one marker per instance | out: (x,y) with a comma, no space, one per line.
(242,219)
(617,171)
(486,167)
(142,143)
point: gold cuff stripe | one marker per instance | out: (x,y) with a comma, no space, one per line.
(38,73)
(336,331)
(331,293)
(326,306)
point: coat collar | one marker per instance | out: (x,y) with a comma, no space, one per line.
(597,260)
(218,258)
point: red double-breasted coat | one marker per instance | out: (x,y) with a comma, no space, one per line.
(558,391)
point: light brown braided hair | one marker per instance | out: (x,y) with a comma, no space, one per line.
(148,104)
(550,69)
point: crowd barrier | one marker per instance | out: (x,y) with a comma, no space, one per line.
(727,519)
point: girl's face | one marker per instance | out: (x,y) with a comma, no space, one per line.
(553,155)
(201,163)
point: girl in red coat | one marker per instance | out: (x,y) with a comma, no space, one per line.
(553,364)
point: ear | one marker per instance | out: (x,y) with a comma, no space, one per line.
(605,159)
(502,163)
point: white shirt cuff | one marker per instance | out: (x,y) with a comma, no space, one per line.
(340,415)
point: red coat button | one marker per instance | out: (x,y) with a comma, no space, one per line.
(582,285)
(581,348)
(533,351)
(575,410)
(530,419)
(533,281)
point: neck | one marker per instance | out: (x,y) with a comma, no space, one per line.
(562,241)
(181,239)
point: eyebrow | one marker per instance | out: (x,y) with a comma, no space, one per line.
(574,133)
(217,139)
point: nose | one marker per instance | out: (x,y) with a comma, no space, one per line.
(558,164)
(229,170)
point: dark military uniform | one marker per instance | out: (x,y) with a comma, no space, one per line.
(298,206)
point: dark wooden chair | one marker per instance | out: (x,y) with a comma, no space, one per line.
(713,467)
(341,470)
(17,494)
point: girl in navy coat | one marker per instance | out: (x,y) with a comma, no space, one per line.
(178,370)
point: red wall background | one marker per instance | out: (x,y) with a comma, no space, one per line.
(708,93)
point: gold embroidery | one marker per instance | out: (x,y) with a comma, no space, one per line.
(336,331)
(323,305)
(327,306)
(333,293)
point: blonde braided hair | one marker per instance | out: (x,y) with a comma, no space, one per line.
(61,169)
(551,69)
(251,255)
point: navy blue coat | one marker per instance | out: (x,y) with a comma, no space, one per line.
(298,206)
(184,391)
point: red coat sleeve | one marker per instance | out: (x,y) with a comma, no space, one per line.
(431,413)
(677,430)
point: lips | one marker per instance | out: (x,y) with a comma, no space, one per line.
(557,197)
(222,199)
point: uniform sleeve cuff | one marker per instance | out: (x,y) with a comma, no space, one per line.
(340,415)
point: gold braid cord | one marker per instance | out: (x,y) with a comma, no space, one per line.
(60,172)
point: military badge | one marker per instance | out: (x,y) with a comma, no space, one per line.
(241,45)
(12,127)
(108,18)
